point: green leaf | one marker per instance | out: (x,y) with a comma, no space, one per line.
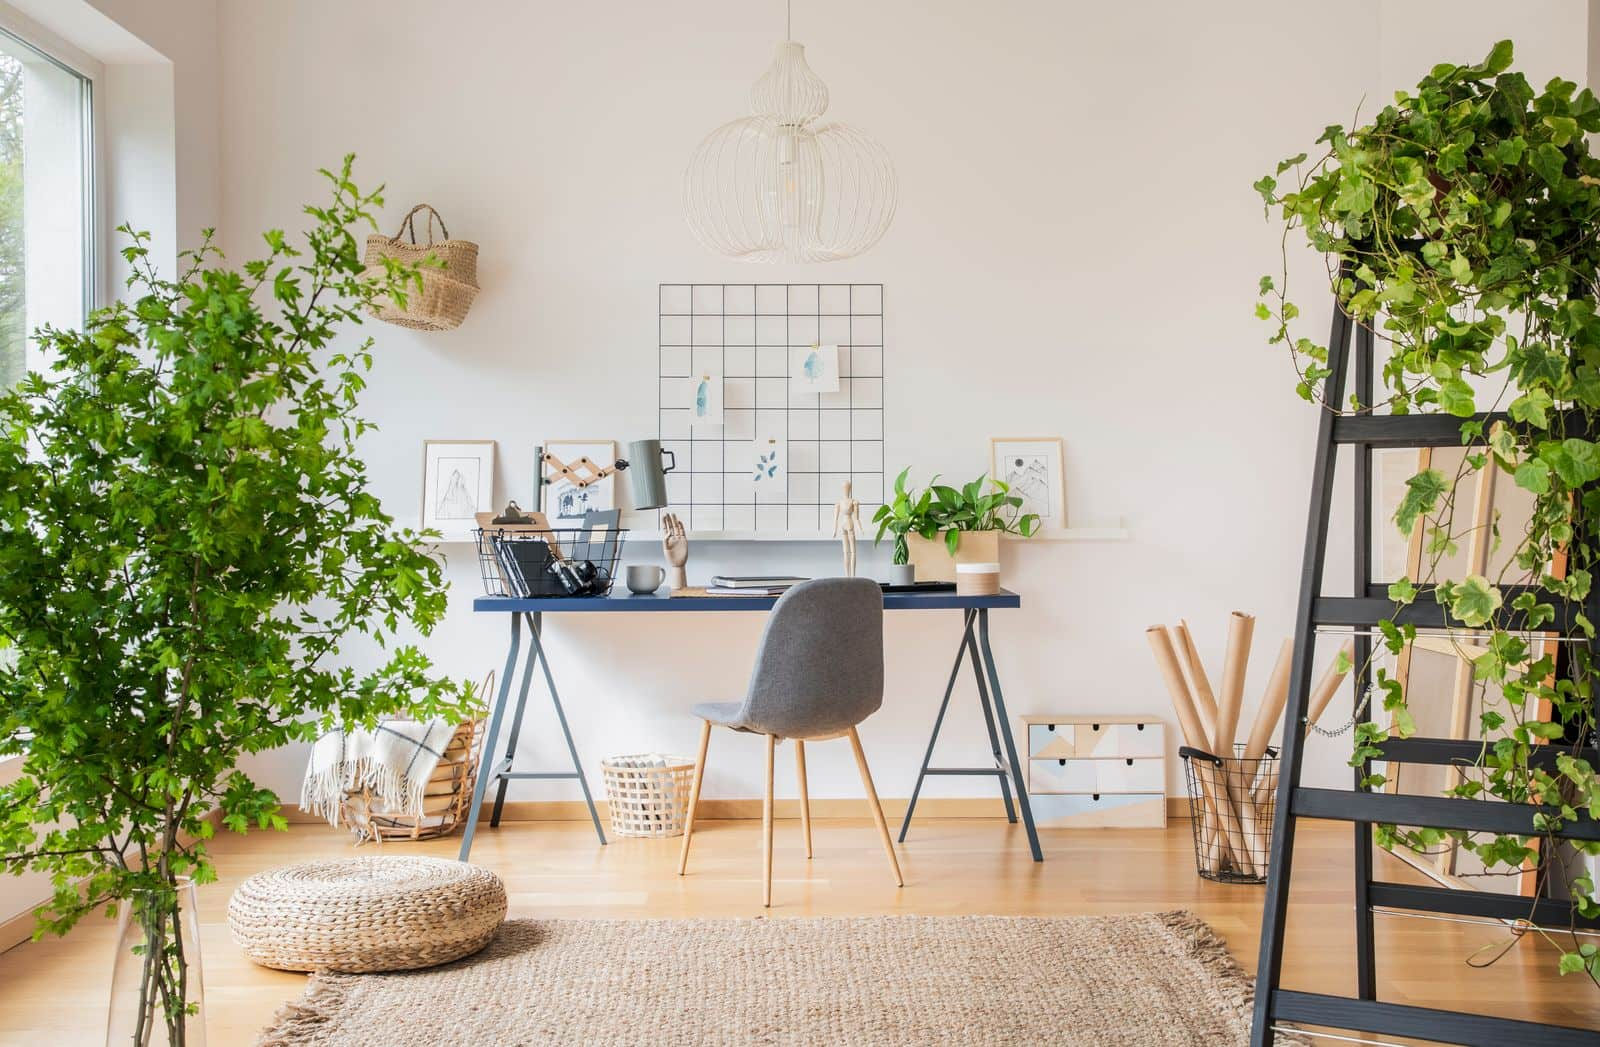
(1455,396)
(1402,591)
(1499,59)
(1533,476)
(1423,492)
(1474,600)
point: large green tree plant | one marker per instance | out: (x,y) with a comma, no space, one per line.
(187,549)
(1462,223)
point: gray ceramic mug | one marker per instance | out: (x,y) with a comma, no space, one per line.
(645,579)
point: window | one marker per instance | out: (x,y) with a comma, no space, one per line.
(46,201)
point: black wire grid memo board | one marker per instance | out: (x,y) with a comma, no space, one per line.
(743,337)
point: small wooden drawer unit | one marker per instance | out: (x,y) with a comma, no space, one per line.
(1085,772)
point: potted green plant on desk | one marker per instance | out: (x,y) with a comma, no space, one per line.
(944,526)
(906,514)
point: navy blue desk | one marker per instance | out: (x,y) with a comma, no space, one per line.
(974,646)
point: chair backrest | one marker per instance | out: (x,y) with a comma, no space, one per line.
(820,666)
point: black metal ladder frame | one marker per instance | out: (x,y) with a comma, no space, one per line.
(975,642)
(1361,808)
(500,769)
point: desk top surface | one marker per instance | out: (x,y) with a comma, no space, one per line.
(625,601)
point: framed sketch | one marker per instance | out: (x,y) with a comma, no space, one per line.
(1032,466)
(457,484)
(564,500)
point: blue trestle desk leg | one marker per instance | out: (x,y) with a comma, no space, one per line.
(561,715)
(504,764)
(988,720)
(499,769)
(1005,732)
(938,722)
(999,728)
(486,759)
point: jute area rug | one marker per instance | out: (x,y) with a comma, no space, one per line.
(1146,980)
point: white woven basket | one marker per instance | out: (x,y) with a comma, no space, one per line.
(648,794)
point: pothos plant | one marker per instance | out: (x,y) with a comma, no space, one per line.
(1462,224)
(187,548)
(941,508)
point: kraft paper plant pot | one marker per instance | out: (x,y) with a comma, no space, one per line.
(934,564)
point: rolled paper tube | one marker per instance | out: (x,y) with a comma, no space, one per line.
(1205,700)
(1167,661)
(1213,795)
(1235,661)
(1233,797)
(1329,683)
(1272,703)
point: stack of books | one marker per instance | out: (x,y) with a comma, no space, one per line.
(751,585)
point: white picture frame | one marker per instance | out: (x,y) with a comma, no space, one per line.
(1034,468)
(457,484)
(560,499)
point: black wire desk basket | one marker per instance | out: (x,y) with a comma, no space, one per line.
(1231,804)
(529,562)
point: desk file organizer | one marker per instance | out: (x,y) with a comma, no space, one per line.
(516,562)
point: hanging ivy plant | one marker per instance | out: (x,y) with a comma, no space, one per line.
(1461,226)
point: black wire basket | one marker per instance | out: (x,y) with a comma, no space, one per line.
(1231,804)
(526,562)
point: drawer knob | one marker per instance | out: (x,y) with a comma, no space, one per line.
(1096,797)
(1094,727)
(1130,761)
(1139,726)
(1061,763)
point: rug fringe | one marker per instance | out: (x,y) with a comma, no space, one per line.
(299,1021)
(1211,952)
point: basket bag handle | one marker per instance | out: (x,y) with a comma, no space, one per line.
(408,224)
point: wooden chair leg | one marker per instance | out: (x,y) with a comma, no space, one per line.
(766,828)
(877,810)
(805,798)
(694,796)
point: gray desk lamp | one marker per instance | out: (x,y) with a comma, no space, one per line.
(647,466)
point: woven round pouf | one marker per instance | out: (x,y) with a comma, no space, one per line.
(357,915)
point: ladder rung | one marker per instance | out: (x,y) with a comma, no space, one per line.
(957,771)
(1545,911)
(1424,1023)
(1449,751)
(1438,812)
(1425,430)
(1362,612)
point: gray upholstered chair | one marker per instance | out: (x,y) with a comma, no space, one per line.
(818,674)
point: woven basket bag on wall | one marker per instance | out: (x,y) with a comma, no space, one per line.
(446,293)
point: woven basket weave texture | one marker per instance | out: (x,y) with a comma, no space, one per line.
(357,915)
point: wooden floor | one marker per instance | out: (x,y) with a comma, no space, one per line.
(54,992)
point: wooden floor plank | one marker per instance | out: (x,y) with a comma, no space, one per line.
(54,991)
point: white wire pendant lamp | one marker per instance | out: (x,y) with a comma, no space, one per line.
(775,187)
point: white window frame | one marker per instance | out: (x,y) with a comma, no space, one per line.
(28,33)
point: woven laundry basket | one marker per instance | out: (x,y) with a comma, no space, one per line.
(647,795)
(446,294)
(357,915)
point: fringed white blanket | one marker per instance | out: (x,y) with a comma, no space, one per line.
(394,760)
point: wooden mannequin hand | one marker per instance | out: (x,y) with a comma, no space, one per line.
(675,545)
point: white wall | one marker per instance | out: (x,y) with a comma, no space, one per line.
(1075,252)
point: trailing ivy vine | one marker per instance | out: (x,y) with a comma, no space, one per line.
(1460,224)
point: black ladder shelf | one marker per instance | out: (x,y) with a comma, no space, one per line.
(1274,1005)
